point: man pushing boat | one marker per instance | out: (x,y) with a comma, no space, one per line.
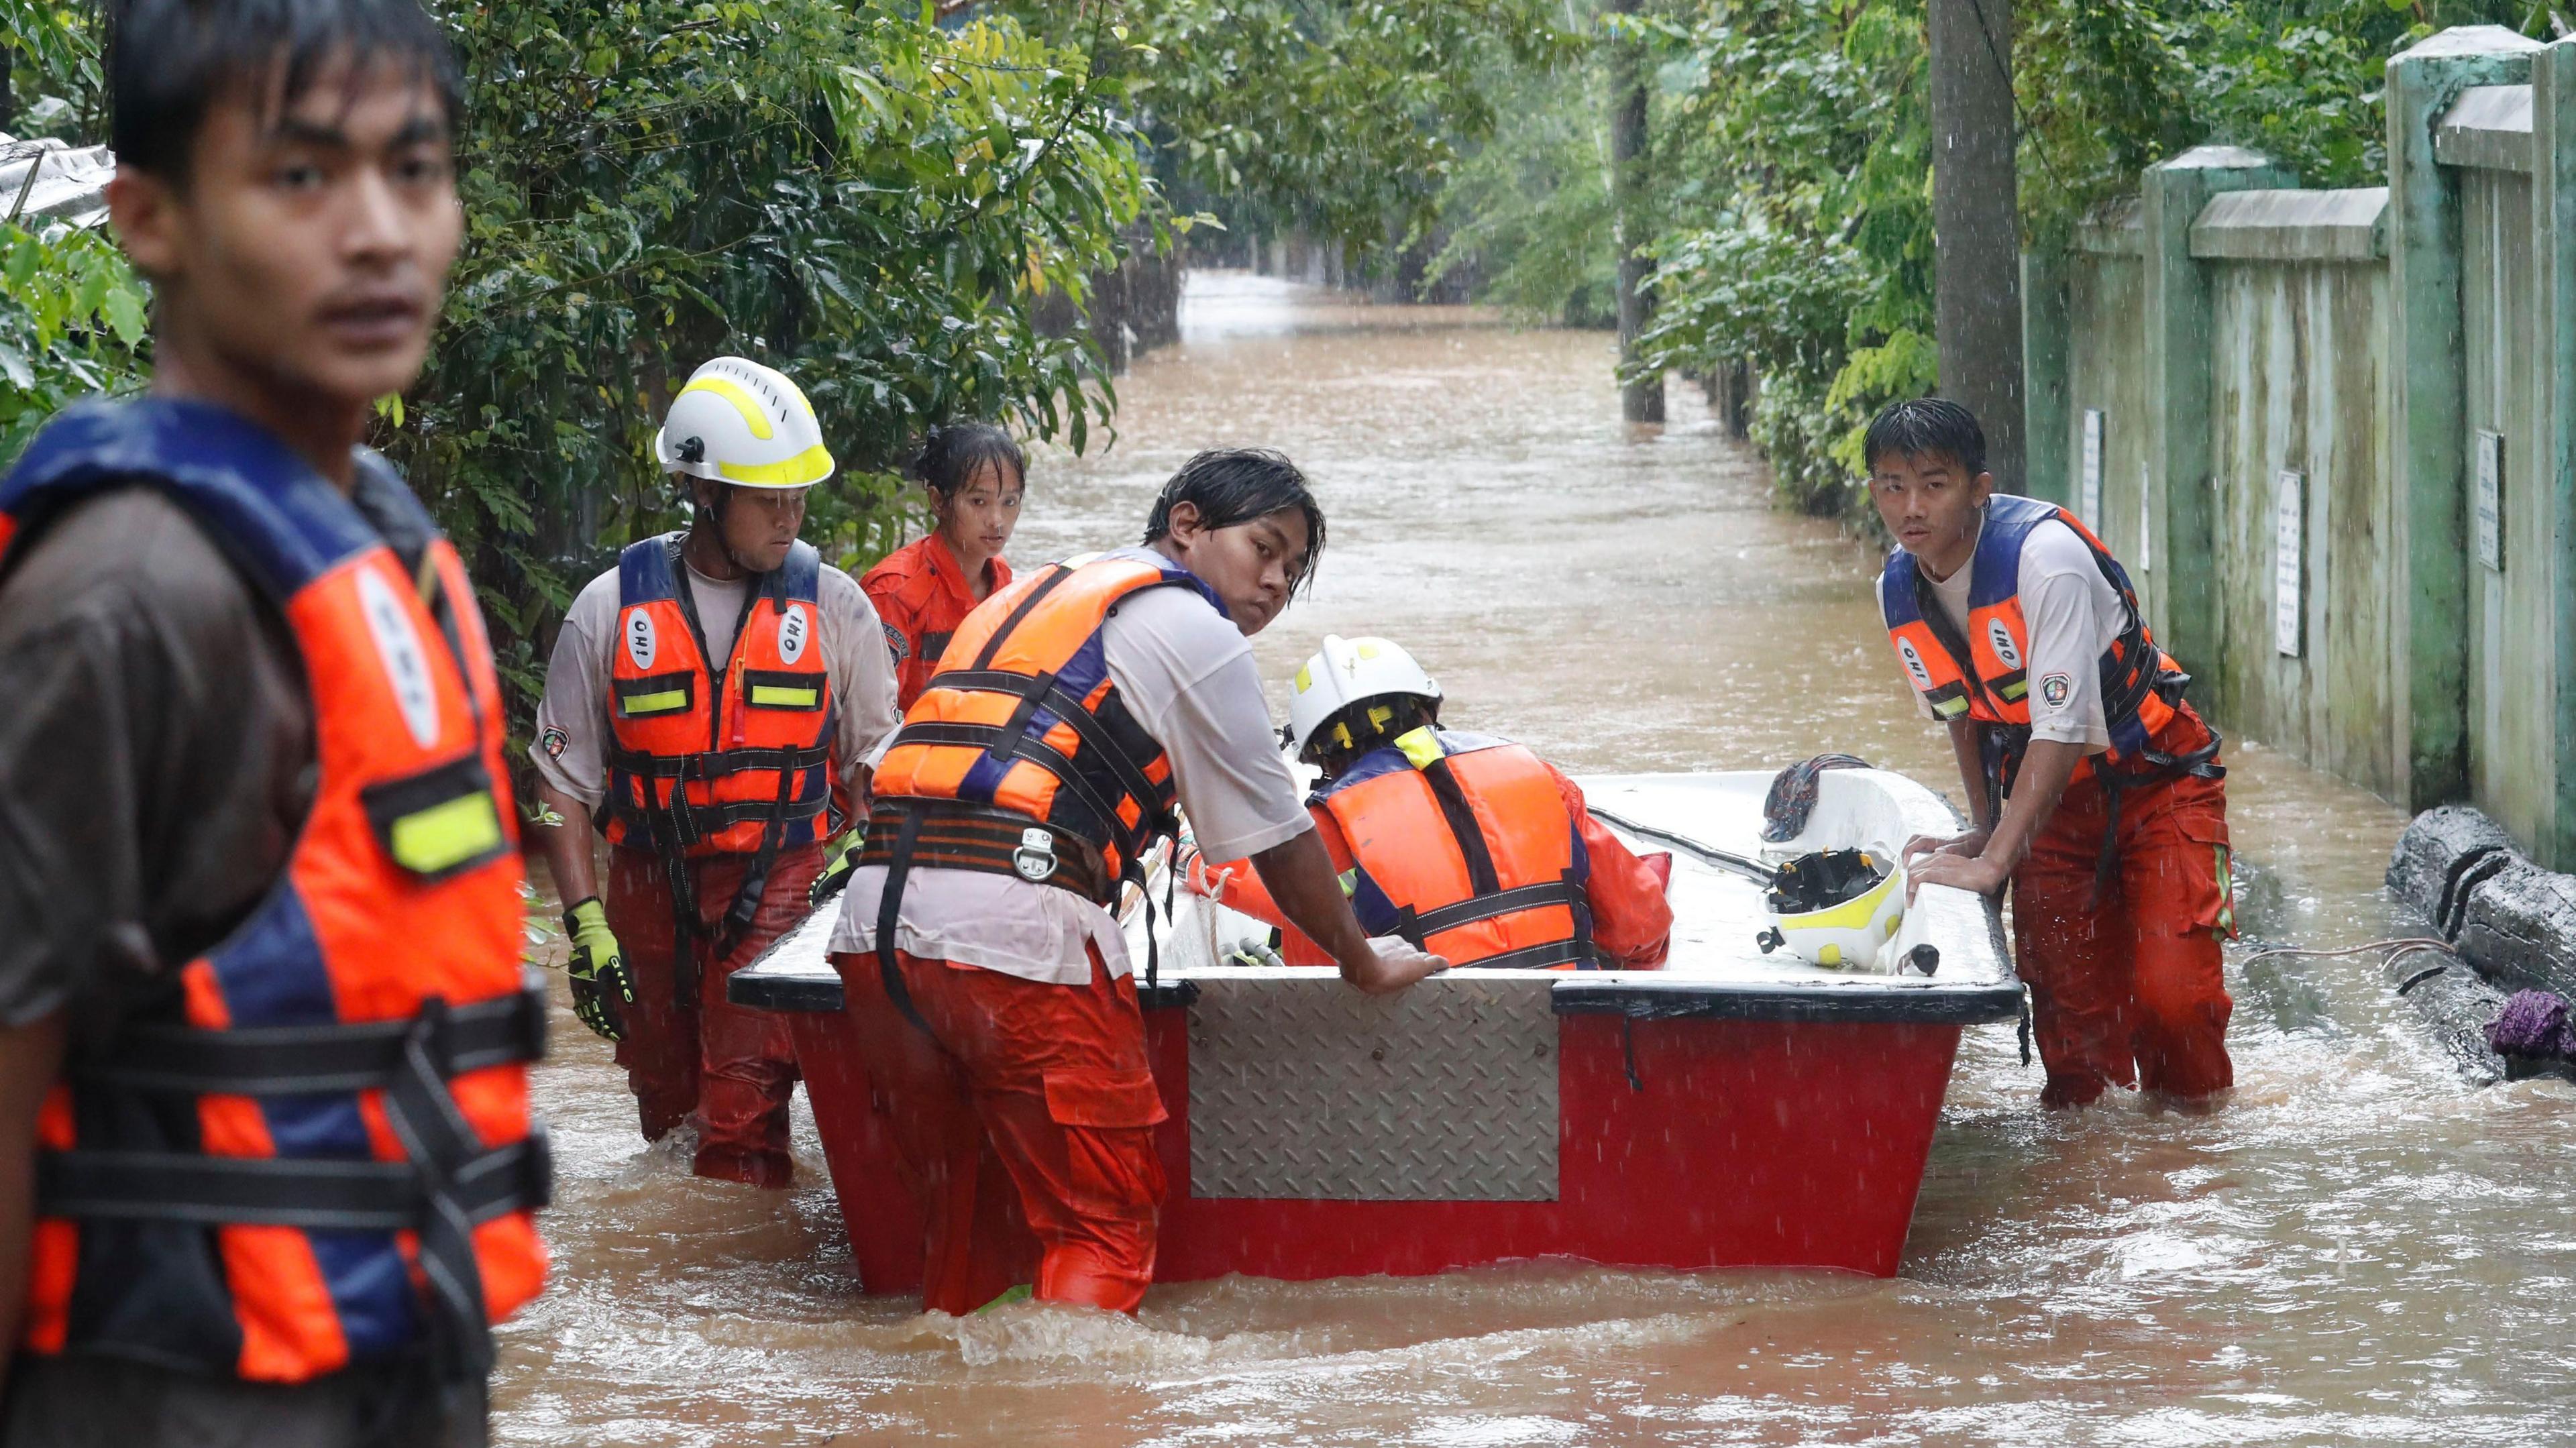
(2095,789)
(988,986)
(1461,842)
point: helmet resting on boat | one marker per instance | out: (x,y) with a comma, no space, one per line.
(1835,908)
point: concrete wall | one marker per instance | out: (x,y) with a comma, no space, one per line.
(2298,383)
(2230,326)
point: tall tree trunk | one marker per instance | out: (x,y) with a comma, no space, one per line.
(1976,224)
(1642,400)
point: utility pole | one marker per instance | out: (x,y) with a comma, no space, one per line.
(1642,400)
(1976,225)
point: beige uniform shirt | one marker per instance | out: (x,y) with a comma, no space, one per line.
(571,748)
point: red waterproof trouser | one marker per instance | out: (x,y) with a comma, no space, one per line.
(2127,990)
(1025,1095)
(733,1068)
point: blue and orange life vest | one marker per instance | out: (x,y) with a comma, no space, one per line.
(2152,731)
(1022,735)
(322,1154)
(727,760)
(1462,845)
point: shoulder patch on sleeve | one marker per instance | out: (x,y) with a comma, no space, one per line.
(897,644)
(2056,689)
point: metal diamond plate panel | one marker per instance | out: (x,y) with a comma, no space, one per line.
(1306,1088)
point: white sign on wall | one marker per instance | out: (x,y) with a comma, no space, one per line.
(2486,498)
(2088,490)
(2289,559)
(2146,520)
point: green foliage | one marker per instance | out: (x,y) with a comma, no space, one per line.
(1802,238)
(1344,119)
(71,324)
(855,196)
(1528,212)
(849,192)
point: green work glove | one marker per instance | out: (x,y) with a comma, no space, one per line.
(840,857)
(600,980)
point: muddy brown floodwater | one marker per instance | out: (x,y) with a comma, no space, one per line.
(2357,1250)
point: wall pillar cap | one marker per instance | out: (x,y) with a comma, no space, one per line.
(2469,40)
(2222,158)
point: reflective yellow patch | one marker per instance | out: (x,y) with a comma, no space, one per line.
(1951,708)
(805,469)
(661,703)
(778,698)
(737,394)
(444,835)
(1421,746)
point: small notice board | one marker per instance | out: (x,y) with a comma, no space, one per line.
(2289,559)
(2088,490)
(2486,497)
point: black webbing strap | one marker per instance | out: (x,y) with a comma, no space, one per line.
(1011,624)
(317,1196)
(282,1060)
(1034,690)
(1501,902)
(1570,951)
(1035,751)
(1463,827)
(890,916)
(446,1183)
(961,836)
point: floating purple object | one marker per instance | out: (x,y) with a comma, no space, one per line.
(2534,1024)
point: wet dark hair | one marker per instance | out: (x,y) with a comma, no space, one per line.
(950,457)
(1922,426)
(173,59)
(1237,485)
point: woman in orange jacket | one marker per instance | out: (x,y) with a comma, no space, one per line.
(976,477)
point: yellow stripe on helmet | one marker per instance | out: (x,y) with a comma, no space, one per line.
(737,394)
(804,470)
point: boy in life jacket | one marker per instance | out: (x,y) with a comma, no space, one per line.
(987,982)
(2095,788)
(267,1167)
(710,706)
(1469,846)
(976,477)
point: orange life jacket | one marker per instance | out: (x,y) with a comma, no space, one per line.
(730,761)
(922,595)
(1461,845)
(322,1153)
(1022,724)
(2152,732)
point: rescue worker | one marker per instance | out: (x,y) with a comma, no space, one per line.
(1466,845)
(2094,786)
(263,1022)
(711,703)
(985,977)
(976,477)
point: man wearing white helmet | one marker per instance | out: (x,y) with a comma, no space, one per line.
(1467,846)
(711,703)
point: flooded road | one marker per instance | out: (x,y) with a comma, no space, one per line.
(2357,1250)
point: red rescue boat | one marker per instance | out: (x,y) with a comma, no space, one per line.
(1739,1108)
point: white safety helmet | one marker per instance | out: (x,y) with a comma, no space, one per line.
(1848,935)
(1342,673)
(741,423)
